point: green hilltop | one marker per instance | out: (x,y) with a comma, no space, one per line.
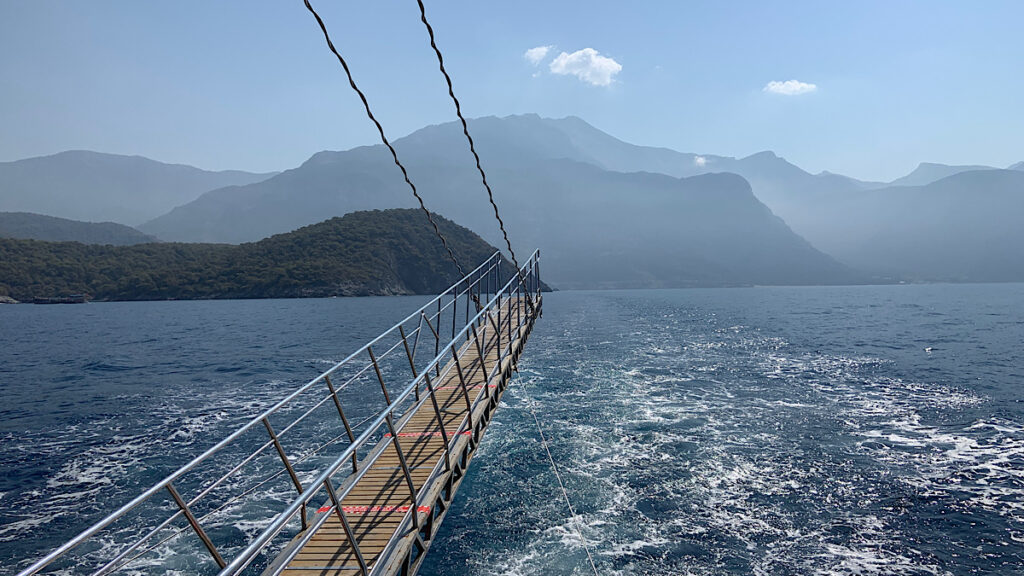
(28,226)
(379,252)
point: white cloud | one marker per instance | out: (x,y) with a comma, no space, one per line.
(588,65)
(700,160)
(535,55)
(789,87)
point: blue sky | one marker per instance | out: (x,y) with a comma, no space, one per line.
(250,85)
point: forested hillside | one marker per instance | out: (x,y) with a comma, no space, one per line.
(28,226)
(362,253)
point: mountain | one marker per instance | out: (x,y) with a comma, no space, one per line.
(596,227)
(965,227)
(602,229)
(95,187)
(926,173)
(848,218)
(791,193)
(1017,166)
(363,253)
(29,226)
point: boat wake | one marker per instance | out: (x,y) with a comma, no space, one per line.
(689,450)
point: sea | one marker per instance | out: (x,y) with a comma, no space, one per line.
(768,430)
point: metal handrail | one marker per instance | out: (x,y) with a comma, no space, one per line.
(464,423)
(484,393)
(242,560)
(487,272)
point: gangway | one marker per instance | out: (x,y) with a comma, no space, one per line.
(370,485)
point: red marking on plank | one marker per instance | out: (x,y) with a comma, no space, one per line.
(417,434)
(366,509)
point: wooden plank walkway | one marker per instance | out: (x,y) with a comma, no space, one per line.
(380,499)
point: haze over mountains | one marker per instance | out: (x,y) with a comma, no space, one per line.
(966,227)
(607,213)
(596,227)
(927,172)
(96,187)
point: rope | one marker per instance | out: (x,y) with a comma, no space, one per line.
(472,146)
(565,494)
(383,138)
(465,129)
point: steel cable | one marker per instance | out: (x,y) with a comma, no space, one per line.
(472,145)
(383,138)
(465,129)
(565,493)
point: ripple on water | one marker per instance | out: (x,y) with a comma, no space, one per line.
(786,461)
(697,432)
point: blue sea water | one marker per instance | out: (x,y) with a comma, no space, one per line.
(833,430)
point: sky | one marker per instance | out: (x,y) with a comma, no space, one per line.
(867,89)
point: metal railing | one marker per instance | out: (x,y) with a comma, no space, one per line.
(326,439)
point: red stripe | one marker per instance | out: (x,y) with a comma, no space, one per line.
(460,387)
(367,509)
(417,434)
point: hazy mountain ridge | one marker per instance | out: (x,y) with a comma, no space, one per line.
(28,226)
(965,227)
(98,187)
(553,177)
(789,191)
(928,172)
(819,208)
(363,253)
(596,227)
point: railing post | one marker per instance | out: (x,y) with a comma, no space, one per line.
(405,469)
(416,341)
(440,421)
(380,377)
(480,352)
(345,525)
(536,272)
(497,338)
(535,285)
(455,310)
(287,464)
(344,420)
(437,339)
(437,334)
(520,292)
(195,526)
(465,391)
(497,329)
(408,354)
